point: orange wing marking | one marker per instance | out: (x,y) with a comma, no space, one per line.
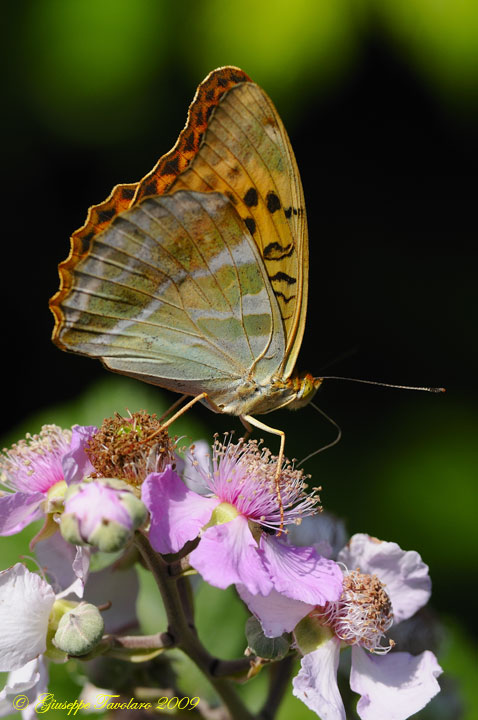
(157,182)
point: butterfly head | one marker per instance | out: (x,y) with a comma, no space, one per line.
(305,386)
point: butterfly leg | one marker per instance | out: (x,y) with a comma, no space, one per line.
(173,407)
(247,425)
(177,414)
(183,410)
(262,426)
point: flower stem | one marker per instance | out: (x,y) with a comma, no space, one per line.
(183,634)
(279,680)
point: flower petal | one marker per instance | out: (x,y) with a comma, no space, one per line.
(316,682)
(17,510)
(324,531)
(122,588)
(177,514)
(76,463)
(65,564)
(197,466)
(228,554)
(277,613)
(301,573)
(394,686)
(25,604)
(30,680)
(404,573)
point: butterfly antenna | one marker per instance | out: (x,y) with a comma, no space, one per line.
(381,384)
(330,444)
(339,358)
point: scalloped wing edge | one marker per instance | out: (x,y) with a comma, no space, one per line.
(156,182)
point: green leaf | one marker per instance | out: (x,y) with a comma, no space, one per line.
(264,647)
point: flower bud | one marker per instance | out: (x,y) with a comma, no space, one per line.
(103,512)
(79,630)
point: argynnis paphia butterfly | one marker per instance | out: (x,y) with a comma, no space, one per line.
(195,279)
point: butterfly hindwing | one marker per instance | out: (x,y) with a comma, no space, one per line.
(157,182)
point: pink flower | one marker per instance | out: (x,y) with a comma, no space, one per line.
(383,585)
(236,516)
(34,471)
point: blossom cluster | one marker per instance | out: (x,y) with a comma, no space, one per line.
(217,508)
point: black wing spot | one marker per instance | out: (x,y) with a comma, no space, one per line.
(127,193)
(279,294)
(189,142)
(233,173)
(171,167)
(275,251)
(105,215)
(86,241)
(285,277)
(251,225)
(250,198)
(231,197)
(273,202)
(150,188)
(288,212)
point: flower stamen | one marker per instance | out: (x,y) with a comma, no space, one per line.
(122,449)
(363,614)
(34,463)
(244,475)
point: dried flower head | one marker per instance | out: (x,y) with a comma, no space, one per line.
(130,448)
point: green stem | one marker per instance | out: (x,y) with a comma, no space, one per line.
(183,635)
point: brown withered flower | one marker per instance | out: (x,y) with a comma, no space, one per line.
(129,448)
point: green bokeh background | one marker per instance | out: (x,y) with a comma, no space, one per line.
(380,98)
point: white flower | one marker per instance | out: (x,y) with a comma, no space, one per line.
(26,605)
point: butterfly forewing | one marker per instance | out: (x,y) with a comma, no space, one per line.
(245,153)
(174,292)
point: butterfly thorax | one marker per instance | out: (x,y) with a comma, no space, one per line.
(254,398)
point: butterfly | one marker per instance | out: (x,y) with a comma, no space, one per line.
(195,279)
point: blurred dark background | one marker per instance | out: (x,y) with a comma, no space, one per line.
(380,99)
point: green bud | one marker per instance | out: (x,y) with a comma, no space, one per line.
(109,537)
(70,529)
(60,607)
(79,630)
